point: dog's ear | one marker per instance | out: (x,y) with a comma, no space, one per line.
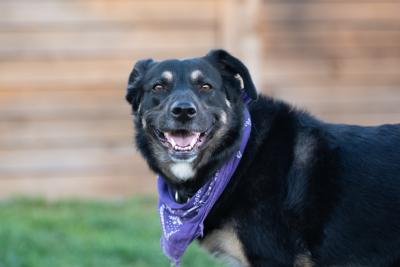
(134,92)
(229,65)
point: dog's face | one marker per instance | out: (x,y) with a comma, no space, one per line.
(187,110)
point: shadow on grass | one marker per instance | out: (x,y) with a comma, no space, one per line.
(38,233)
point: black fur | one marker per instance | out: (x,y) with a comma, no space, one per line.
(304,187)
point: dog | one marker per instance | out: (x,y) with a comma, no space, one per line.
(306,192)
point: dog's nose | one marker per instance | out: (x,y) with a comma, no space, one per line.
(183,110)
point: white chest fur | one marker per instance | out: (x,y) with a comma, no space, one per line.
(182,170)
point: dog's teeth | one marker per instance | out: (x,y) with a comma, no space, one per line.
(171,140)
(186,148)
(194,141)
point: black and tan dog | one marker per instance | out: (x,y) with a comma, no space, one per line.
(306,192)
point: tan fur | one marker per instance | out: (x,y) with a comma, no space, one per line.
(195,75)
(167,75)
(305,146)
(224,117)
(225,244)
(238,77)
(303,260)
(228,103)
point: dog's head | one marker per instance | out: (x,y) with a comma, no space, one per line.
(188,113)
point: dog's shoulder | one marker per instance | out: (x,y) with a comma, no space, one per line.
(307,162)
(303,134)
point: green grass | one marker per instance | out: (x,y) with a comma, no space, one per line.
(38,233)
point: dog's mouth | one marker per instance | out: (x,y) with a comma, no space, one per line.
(182,140)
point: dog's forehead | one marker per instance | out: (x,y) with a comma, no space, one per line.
(195,68)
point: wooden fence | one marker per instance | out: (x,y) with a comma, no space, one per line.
(65,129)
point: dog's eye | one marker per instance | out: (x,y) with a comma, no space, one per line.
(158,87)
(205,87)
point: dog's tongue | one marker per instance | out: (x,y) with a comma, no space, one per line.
(182,139)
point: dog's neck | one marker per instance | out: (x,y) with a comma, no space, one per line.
(183,191)
(205,169)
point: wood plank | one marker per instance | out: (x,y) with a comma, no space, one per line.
(319,44)
(327,25)
(329,51)
(70,161)
(338,66)
(90,26)
(55,112)
(25,105)
(50,11)
(343,72)
(331,11)
(350,80)
(66,85)
(346,106)
(337,93)
(107,186)
(63,104)
(371,107)
(55,72)
(67,98)
(101,44)
(360,119)
(317,35)
(145,52)
(56,134)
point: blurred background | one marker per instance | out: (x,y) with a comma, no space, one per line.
(66,131)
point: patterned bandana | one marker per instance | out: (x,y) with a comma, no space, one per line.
(182,223)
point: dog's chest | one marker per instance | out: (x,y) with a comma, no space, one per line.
(225,244)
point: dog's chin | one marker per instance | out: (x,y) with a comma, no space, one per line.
(182,145)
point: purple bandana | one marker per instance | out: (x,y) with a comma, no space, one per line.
(182,223)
